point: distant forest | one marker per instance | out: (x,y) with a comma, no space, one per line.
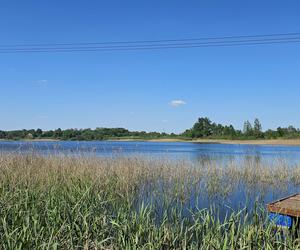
(203,128)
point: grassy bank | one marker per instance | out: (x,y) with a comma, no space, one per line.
(130,203)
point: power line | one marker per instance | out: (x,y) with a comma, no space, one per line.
(144,48)
(158,41)
(161,44)
(156,44)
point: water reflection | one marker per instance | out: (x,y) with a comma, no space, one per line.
(174,150)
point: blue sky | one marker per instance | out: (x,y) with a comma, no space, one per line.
(134,89)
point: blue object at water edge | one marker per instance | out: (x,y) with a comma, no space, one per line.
(281,220)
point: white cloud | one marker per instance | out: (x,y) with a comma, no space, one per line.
(164,121)
(177,103)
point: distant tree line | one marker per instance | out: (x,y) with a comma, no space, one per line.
(203,128)
(81,134)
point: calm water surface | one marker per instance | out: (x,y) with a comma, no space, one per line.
(172,150)
(239,197)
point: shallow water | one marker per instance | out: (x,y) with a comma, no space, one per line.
(238,196)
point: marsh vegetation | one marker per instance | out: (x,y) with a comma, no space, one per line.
(49,202)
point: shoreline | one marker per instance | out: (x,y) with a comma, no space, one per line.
(271,142)
(30,140)
(283,142)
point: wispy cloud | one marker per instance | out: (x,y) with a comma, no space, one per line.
(177,103)
(41,83)
(43,117)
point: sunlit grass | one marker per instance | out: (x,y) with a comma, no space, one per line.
(49,202)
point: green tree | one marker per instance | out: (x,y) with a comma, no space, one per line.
(38,132)
(202,128)
(247,128)
(58,133)
(257,129)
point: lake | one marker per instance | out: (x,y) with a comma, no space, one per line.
(170,150)
(239,196)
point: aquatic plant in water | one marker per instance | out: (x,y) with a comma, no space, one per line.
(134,203)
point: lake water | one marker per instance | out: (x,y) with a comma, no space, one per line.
(170,150)
(239,197)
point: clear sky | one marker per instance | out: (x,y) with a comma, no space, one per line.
(134,89)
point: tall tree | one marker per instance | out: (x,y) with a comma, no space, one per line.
(202,128)
(38,132)
(257,129)
(257,125)
(247,128)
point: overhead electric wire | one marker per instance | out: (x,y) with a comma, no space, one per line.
(155,44)
(159,45)
(157,41)
(141,48)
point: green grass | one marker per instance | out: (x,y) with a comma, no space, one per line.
(93,203)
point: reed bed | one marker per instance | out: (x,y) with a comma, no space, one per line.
(64,202)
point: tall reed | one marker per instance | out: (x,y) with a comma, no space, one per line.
(55,202)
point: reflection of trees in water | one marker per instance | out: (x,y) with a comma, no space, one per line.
(257,158)
(224,160)
(242,153)
(206,159)
(253,154)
